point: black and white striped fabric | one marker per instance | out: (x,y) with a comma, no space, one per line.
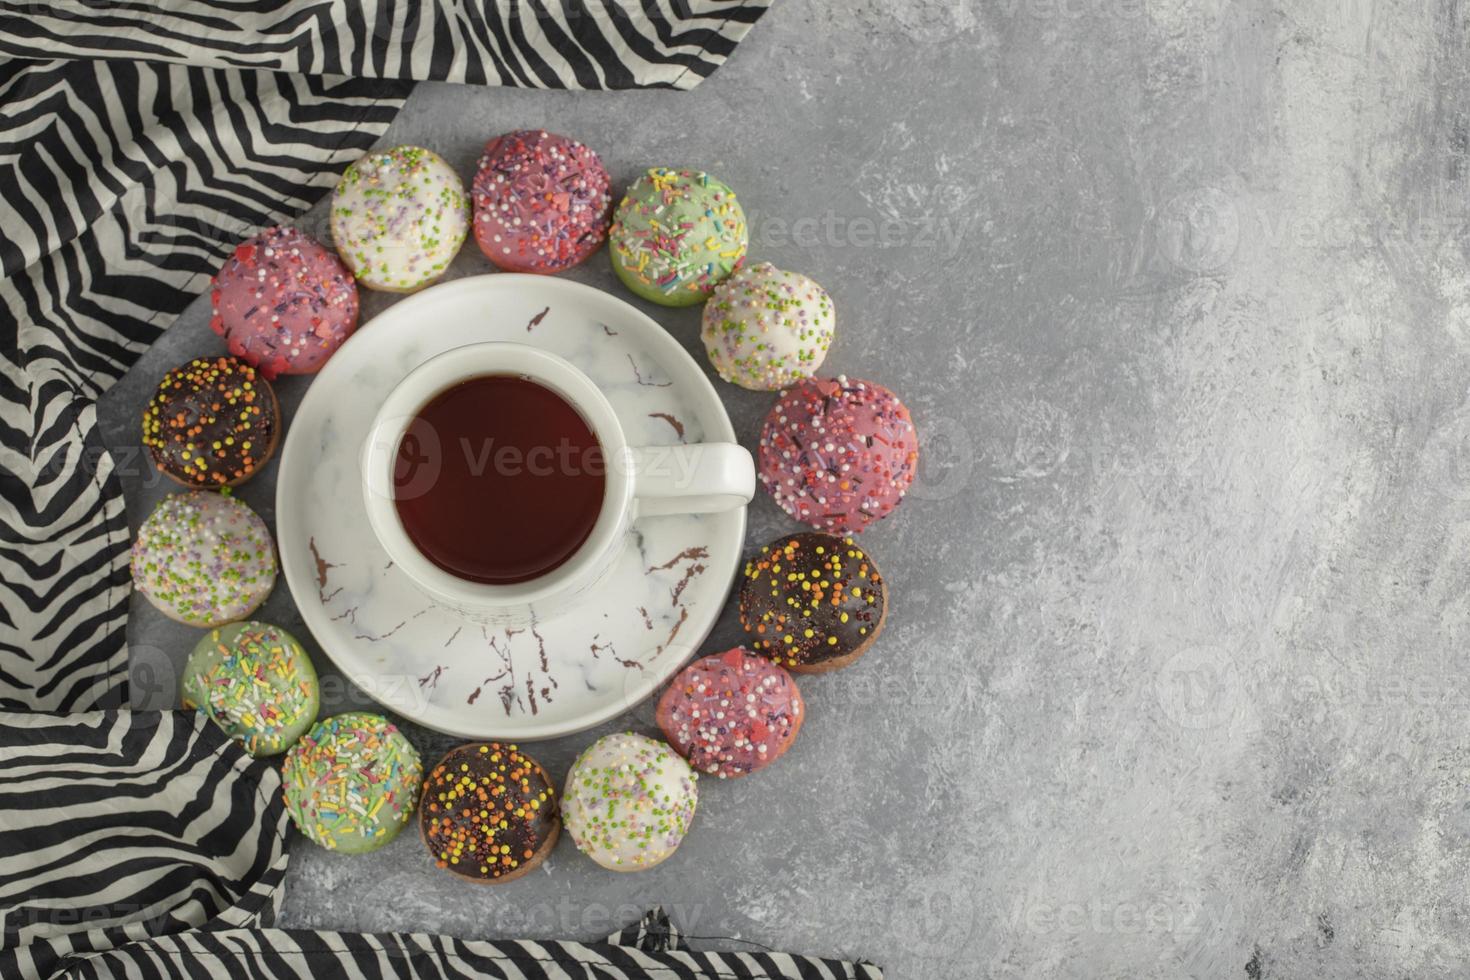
(139,141)
(120,826)
(287,955)
(146,844)
(586,44)
(115,214)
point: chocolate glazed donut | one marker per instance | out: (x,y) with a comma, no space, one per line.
(488,813)
(213,422)
(813,602)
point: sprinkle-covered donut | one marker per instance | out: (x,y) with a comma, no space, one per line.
(629,802)
(813,602)
(731,713)
(399,217)
(351,782)
(541,202)
(284,302)
(255,682)
(676,235)
(488,813)
(212,422)
(838,453)
(204,559)
(765,329)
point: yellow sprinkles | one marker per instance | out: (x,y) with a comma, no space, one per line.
(211,423)
(399,217)
(676,235)
(487,810)
(352,782)
(810,598)
(256,683)
(629,801)
(765,329)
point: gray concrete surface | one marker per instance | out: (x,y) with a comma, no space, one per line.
(1175,680)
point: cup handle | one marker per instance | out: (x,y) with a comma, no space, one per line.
(704,478)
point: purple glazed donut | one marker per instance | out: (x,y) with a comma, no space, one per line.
(838,453)
(284,303)
(542,202)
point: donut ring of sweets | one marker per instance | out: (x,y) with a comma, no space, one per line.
(542,202)
(813,602)
(629,802)
(256,683)
(676,235)
(399,217)
(488,813)
(351,782)
(204,559)
(284,302)
(731,714)
(213,422)
(764,329)
(838,453)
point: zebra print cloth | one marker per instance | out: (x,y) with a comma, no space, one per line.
(147,844)
(138,142)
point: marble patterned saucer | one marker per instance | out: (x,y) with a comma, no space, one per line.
(565,671)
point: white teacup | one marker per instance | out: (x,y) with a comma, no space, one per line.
(690,479)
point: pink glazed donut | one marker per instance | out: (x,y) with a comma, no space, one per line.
(838,453)
(541,202)
(284,303)
(731,714)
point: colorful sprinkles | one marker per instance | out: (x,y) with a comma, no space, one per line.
(205,559)
(487,811)
(838,453)
(541,202)
(256,683)
(283,302)
(676,235)
(731,713)
(812,601)
(351,782)
(211,423)
(765,329)
(399,217)
(629,802)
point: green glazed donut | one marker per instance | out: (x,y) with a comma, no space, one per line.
(676,235)
(255,682)
(352,782)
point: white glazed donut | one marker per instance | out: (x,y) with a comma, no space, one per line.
(204,559)
(399,217)
(766,329)
(629,802)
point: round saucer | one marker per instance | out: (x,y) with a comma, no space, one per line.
(567,670)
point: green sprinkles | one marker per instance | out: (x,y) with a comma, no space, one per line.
(629,802)
(203,558)
(765,329)
(676,235)
(352,782)
(399,217)
(256,683)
